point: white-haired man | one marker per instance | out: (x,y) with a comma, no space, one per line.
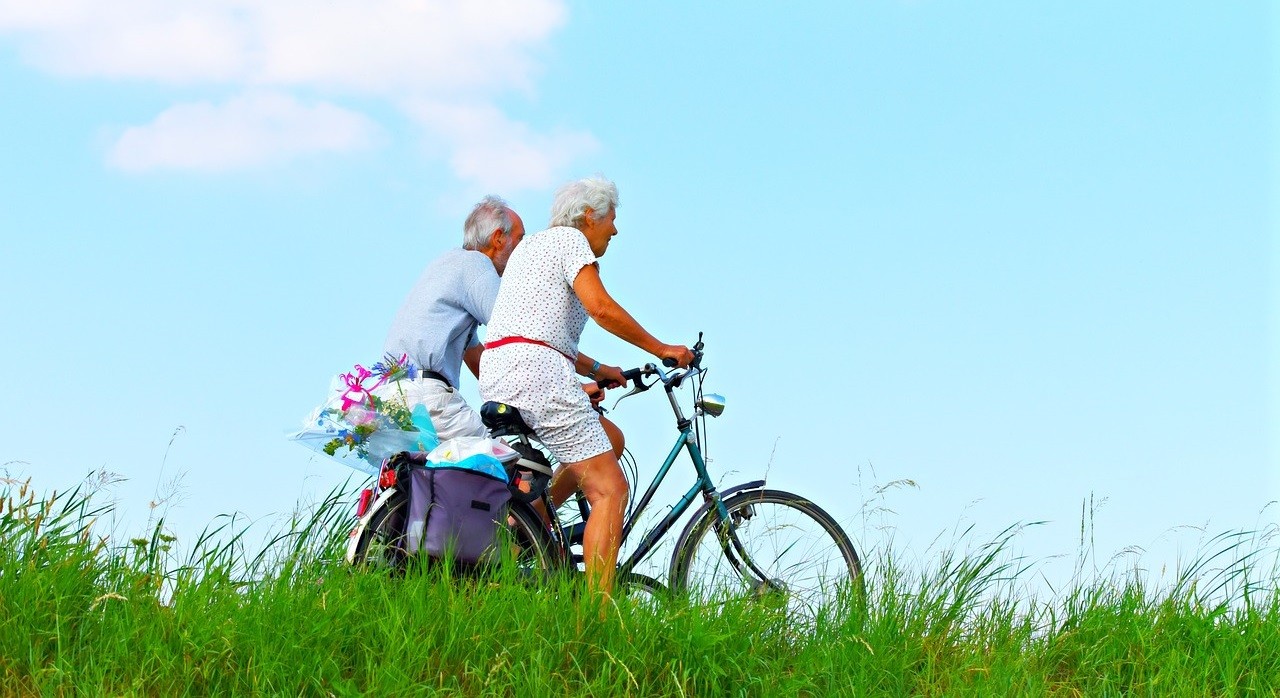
(551,286)
(436,325)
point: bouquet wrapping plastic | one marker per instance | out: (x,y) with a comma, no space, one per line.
(477,453)
(359,428)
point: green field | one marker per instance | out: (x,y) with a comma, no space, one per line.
(83,615)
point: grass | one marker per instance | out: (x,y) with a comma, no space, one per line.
(83,615)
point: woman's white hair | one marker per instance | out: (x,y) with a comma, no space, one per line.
(573,199)
(492,213)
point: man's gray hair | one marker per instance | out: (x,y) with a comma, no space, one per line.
(573,199)
(492,213)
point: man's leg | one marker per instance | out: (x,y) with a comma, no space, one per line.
(600,478)
(453,417)
(616,439)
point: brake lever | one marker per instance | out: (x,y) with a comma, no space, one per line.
(690,372)
(639,386)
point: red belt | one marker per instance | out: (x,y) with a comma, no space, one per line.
(525,340)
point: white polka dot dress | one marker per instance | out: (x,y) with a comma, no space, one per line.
(536,301)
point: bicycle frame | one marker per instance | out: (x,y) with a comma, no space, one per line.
(703,485)
(686,441)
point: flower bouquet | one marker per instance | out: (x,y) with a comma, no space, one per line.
(360,429)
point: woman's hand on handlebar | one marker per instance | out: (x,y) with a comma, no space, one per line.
(675,355)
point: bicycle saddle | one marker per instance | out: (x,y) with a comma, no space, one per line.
(503,420)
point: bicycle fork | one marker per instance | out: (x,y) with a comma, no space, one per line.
(734,551)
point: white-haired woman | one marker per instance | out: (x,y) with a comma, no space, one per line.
(531,360)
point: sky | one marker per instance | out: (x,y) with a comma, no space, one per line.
(956,266)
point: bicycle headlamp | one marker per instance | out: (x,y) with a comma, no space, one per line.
(712,404)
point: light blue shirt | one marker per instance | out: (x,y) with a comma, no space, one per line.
(438,321)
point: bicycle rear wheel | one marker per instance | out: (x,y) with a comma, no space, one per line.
(523,542)
(381,544)
(774,544)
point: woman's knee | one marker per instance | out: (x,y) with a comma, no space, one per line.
(601,477)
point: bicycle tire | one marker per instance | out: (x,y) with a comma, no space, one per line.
(530,538)
(381,542)
(799,546)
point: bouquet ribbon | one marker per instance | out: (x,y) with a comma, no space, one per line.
(356,393)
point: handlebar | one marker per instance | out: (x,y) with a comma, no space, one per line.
(670,380)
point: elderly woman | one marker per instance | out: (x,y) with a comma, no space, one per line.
(550,287)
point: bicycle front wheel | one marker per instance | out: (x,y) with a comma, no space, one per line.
(773,544)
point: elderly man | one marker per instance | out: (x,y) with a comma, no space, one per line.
(436,325)
(551,287)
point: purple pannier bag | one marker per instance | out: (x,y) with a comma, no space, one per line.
(455,509)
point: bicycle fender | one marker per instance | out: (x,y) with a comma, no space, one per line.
(353,539)
(706,506)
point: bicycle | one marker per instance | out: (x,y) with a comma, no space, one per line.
(745,539)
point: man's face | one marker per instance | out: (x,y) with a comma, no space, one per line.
(599,231)
(512,239)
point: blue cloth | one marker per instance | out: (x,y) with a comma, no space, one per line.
(479,463)
(439,318)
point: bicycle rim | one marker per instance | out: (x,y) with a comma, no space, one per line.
(381,541)
(781,547)
(524,543)
(642,590)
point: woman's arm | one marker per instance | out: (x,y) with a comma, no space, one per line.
(613,317)
(603,374)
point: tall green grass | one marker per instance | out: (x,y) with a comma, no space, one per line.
(80,614)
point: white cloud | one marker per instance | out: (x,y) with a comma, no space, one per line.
(496,153)
(132,39)
(371,46)
(250,130)
(457,55)
(397,46)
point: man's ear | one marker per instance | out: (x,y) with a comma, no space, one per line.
(495,240)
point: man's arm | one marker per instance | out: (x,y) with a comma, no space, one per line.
(471,357)
(481,293)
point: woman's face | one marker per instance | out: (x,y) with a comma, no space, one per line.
(599,231)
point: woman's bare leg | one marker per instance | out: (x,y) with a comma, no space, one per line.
(563,487)
(601,480)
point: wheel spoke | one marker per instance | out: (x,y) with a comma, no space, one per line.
(775,545)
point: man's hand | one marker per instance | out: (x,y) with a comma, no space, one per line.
(594,392)
(679,352)
(610,377)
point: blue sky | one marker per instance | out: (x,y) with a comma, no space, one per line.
(1019,255)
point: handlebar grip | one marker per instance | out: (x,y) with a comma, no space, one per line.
(633,374)
(669,362)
